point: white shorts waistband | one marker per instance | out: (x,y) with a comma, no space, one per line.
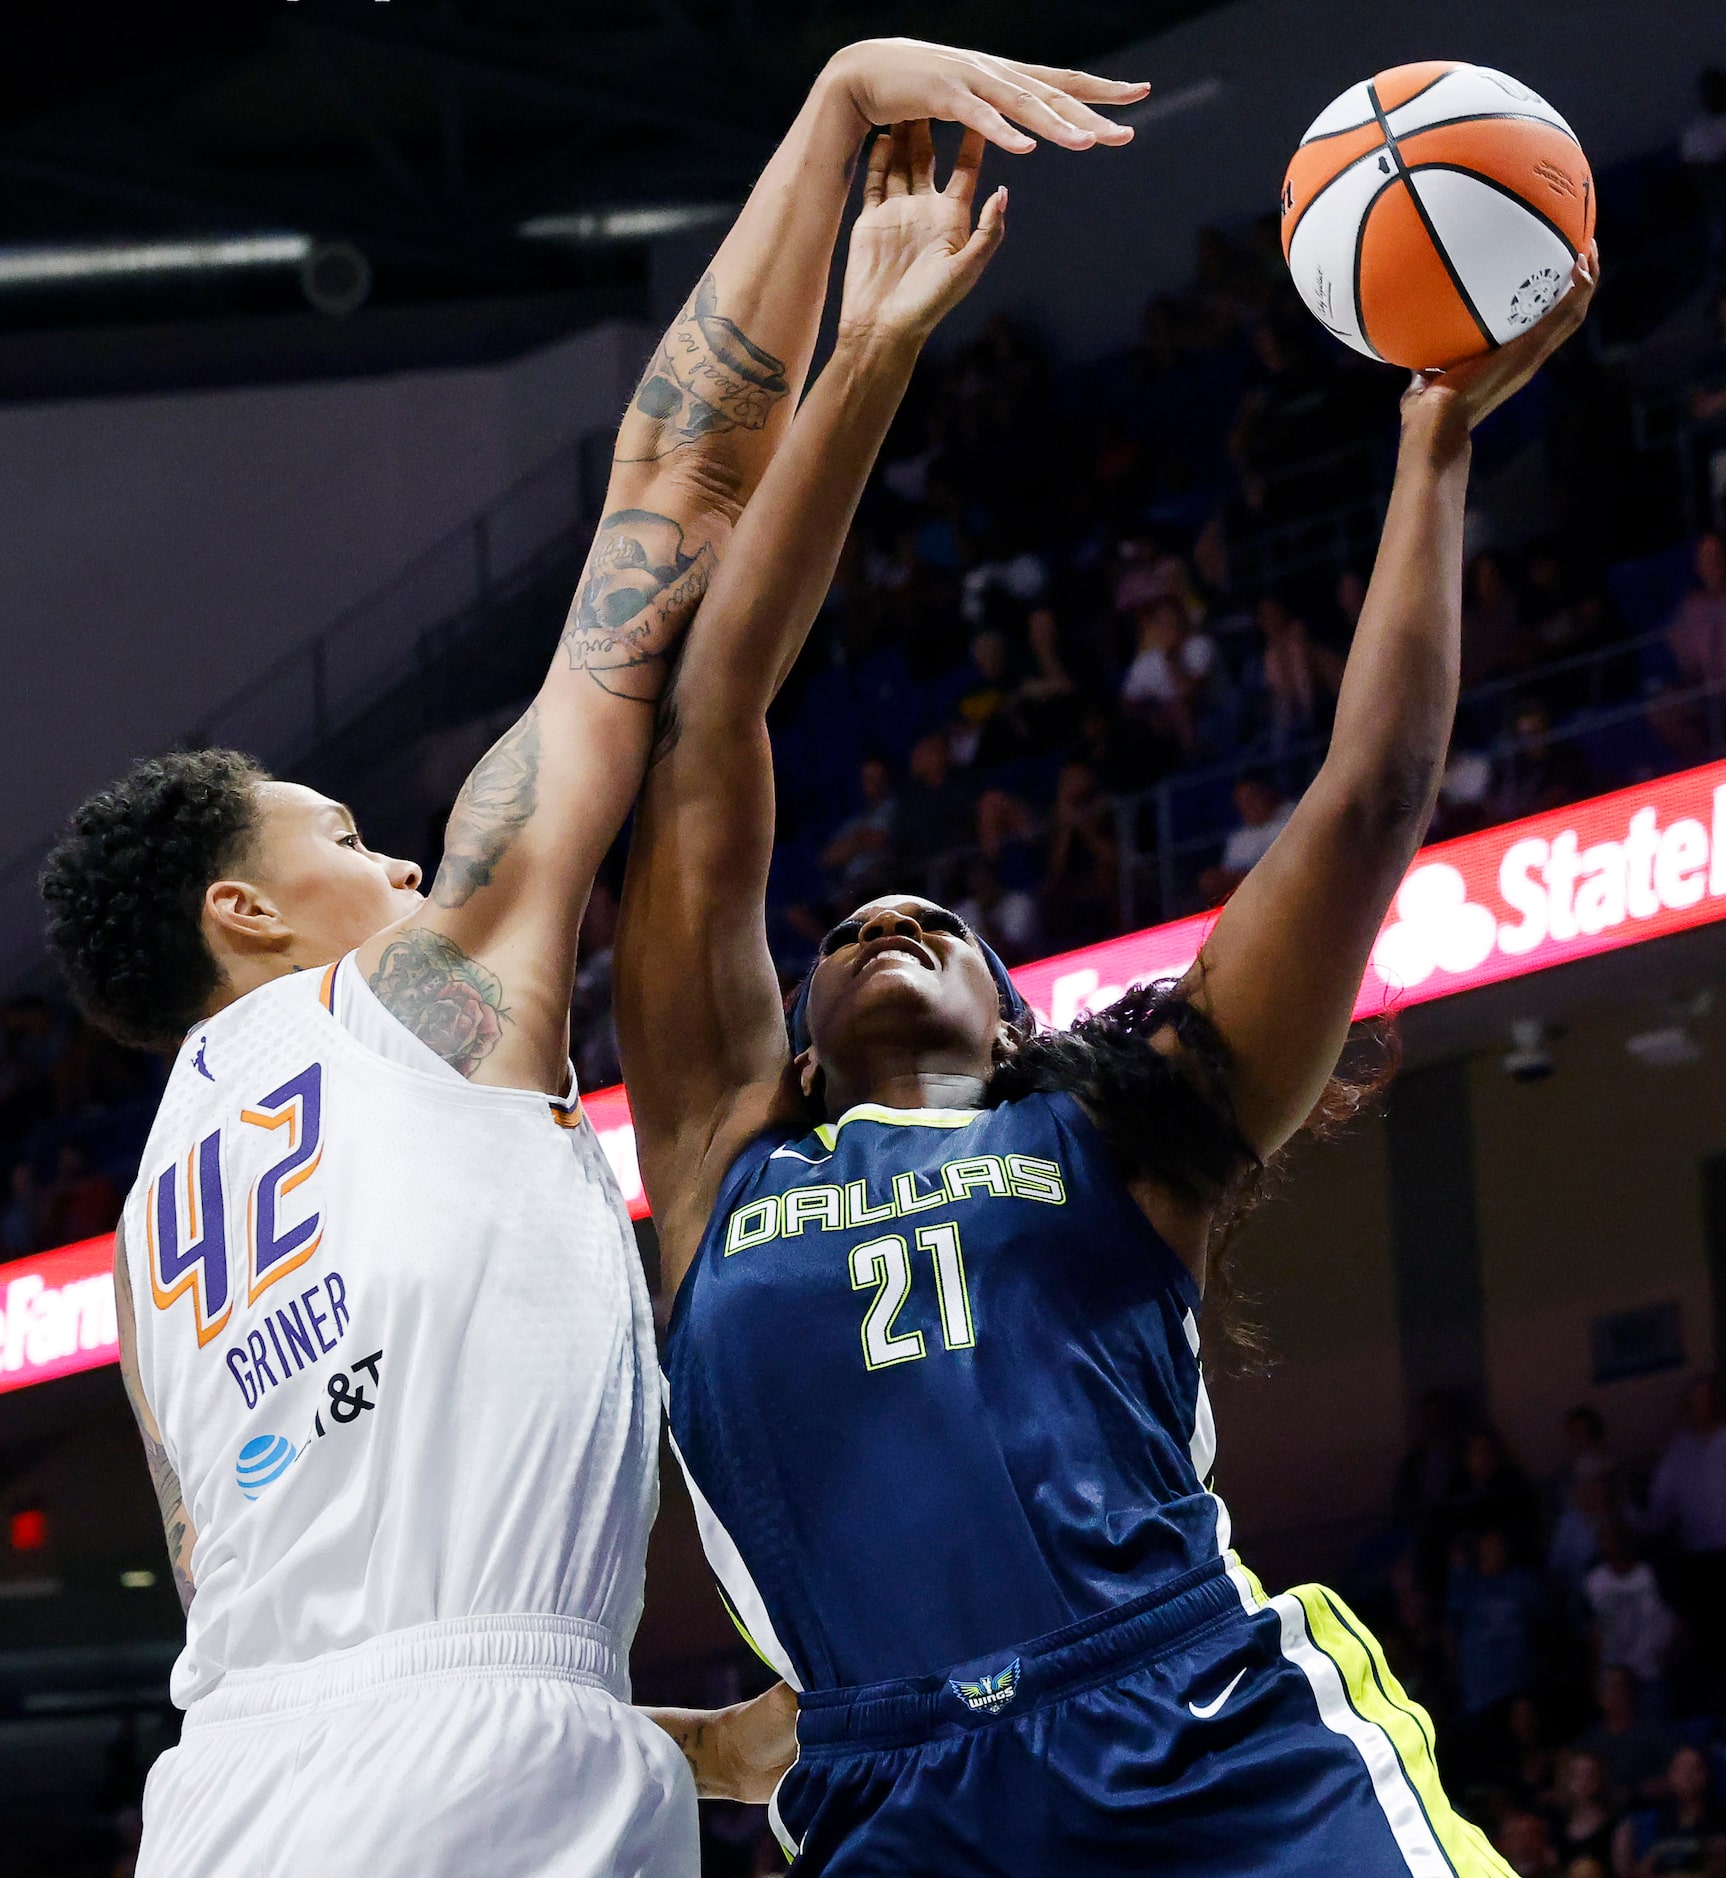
(524,1648)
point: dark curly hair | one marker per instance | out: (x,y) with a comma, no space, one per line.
(125,890)
(1171,1119)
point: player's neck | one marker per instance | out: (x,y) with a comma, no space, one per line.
(244,972)
(907,1089)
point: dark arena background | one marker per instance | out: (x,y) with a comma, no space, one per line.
(316,320)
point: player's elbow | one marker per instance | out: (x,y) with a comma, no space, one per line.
(696,484)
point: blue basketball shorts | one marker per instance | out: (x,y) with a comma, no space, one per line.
(1204,1731)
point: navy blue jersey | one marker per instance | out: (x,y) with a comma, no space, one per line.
(935,1382)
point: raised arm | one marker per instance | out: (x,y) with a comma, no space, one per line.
(170,1500)
(495,942)
(697,1000)
(1282,967)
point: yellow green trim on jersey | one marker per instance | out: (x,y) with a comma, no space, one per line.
(1376,1696)
(827,1133)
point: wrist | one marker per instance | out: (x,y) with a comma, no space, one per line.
(1435,428)
(834,98)
(878,346)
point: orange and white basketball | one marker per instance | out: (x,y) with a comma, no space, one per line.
(1434,211)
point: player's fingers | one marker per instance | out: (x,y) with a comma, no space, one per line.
(875,178)
(985,238)
(898,162)
(965,107)
(921,151)
(1086,86)
(963,182)
(1018,101)
(1019,82)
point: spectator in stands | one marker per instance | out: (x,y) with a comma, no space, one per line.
(81,1203)
(1464,793)
(1525,1844)
(1170,666)
(1080,891)
(1496,1494)
(1300,677)
(21,1220)
(983,732)
(1588,1497)
(1697,634)
(1263,810)
(1584,1818)
(1687,1834)
(1542,768)
(860,854)
(1046,705)
(1532,1766)
(1007,835)
(1687,1503)
(1633,1629)
(1493,642)
(1633,1748)
(1007,918)
(937,810)
(1495,1608)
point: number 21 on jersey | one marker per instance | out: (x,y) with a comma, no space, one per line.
(186,1213)
(886,1264)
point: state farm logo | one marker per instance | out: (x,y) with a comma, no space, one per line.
(1560,889)
(1437,928)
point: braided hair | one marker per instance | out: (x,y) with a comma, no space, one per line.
(125,889)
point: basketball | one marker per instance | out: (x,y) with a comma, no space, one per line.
(1434,211)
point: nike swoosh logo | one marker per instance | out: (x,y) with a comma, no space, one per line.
(1203,1712)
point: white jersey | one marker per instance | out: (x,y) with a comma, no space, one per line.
(395,1331)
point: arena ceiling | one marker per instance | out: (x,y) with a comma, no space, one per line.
(425,133)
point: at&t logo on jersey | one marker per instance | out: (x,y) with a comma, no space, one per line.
(265,1458)
(988,1695)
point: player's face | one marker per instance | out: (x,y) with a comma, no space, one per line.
(326,883)
(906,974)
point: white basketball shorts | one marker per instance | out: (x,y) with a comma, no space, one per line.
(501,1746)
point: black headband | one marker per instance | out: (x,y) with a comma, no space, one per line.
(1014,1009)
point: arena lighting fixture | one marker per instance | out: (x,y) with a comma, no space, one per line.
(1670,1045)
(1508,902)
(1529,1059)
(598,227)
(59,266)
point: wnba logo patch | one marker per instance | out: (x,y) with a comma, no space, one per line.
(263,1459)
(988,1695)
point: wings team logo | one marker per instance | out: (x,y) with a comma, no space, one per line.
(989,1694)
(265,1458)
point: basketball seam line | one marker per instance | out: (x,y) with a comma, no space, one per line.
(1471,117)
(1504,189)
(1492,117)
(1371,203)
(1432,234)
(1319,194)
(1325,135)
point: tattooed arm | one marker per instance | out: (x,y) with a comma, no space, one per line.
(176,1521)
(483,971)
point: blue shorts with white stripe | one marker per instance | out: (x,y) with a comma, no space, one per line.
(1204,1730)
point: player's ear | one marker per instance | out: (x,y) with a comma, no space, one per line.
(241,917)
(809,1078)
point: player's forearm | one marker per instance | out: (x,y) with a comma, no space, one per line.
(724,378)
(777,570)
(737,1753)
(1397,700)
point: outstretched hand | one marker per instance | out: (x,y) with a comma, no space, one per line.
(891,81)
(1468,392)
(914,254)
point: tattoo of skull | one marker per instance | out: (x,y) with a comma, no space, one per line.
(707,376)
(638,592)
